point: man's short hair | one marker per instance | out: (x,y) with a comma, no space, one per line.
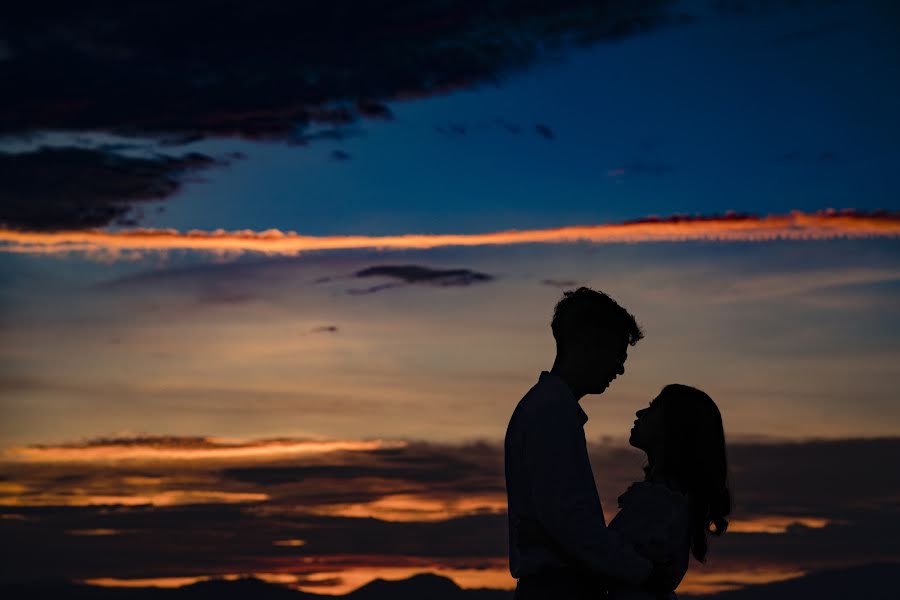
(585,312)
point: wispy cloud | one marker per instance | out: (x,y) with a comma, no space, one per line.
(106,245)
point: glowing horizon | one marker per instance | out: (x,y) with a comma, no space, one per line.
(106,245)
(495,577)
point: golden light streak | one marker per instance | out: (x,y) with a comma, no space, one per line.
(167,498)
(13,517)
(142,480)
(161,582)
(213,450)
(354,578)
(774,524)
(698,581)
(412,507)
(289,543)
(11,487)
(94,532)
(106,245)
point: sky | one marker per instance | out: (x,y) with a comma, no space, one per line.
(285,278)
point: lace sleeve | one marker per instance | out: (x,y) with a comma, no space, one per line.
(651,513)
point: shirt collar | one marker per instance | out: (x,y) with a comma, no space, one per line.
(565,390)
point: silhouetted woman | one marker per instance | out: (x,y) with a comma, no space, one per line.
(684,495)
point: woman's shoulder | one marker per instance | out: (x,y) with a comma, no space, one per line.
(652,492)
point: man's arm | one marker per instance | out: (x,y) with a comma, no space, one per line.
(554,446)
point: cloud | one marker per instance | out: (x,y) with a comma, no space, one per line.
(101,245)
(325,329)
(156,448)
(412,274)
(408,502)
(545,132)
(77,188)
(268,69)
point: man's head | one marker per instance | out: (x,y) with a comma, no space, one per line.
(592,335)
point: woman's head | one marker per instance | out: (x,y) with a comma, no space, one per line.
(681,432)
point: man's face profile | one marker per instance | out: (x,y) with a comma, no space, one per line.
(602,358)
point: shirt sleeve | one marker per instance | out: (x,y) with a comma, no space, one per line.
(555,447)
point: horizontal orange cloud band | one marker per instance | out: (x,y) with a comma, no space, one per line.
(822,225)
(150,449)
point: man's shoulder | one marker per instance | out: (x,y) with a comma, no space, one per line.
(544,400)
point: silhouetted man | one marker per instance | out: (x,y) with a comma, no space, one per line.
(559,546)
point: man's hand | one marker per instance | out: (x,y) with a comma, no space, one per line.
(660,581)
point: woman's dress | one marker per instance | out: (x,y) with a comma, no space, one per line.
(651,513)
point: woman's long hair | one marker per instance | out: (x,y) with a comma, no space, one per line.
(694,448)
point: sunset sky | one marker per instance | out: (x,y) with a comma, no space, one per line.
(273,277)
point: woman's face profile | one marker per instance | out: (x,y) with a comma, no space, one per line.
(647,433)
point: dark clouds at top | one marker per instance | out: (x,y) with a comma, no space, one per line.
(259,70)
(74,188)
(179,72)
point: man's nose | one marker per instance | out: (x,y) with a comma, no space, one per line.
(621,369)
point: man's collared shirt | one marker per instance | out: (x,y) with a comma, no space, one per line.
(555,516)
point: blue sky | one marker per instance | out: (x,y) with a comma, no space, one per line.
(789,110)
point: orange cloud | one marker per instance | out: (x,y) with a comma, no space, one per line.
(343,579)
(775,524)
(164,498)
(700,581)
(107,245)
(416,507)
(190,449)
(339,580)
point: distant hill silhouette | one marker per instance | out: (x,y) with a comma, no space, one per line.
(425,586)
(857,583)
(864,582)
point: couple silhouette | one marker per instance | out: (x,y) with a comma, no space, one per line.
(560,546)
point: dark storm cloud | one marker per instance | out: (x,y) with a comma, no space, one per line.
(279,280)
(73,188)
(411,274)
(848,482)
(179,72)
(863,536)
(469,468)
(219,539)
(259,70)
(835,478)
